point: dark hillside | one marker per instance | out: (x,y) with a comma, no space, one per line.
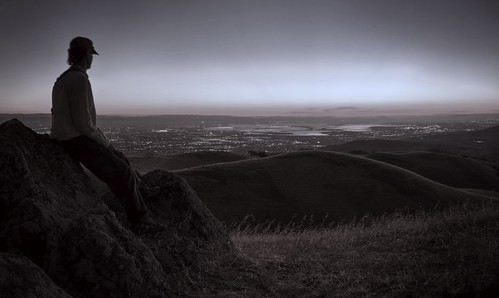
(293,185)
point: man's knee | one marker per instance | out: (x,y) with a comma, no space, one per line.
(120,155)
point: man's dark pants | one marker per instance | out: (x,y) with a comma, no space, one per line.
(112,167)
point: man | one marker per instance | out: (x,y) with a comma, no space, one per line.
(74,126)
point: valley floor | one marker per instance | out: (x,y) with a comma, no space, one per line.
(433,254)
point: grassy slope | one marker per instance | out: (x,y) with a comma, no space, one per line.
(447,169)
(339,185)
(436,254)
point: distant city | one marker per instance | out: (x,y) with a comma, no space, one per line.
(175,134)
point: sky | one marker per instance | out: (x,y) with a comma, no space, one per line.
(258,58)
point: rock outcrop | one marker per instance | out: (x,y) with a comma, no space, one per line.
(79,245)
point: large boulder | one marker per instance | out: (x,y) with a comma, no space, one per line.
(50,214)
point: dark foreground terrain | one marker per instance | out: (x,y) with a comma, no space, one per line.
(323,224)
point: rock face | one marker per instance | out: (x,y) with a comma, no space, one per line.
(50,214)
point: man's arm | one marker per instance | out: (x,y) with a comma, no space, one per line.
(81,113)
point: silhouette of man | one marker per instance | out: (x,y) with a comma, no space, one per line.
(74,126)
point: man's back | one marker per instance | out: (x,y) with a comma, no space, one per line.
(73,109)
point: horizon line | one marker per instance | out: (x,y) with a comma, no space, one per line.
(282,116)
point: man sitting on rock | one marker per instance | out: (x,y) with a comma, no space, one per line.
(74,126)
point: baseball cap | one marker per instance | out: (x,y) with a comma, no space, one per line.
(83,42)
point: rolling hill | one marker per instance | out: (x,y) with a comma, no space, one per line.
(290,186)
(451,170)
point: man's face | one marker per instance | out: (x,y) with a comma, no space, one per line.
(90,58)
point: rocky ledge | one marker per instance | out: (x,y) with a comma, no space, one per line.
(58,238)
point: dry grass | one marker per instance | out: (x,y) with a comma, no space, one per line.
(441,253)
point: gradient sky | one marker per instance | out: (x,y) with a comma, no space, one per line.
(253,57)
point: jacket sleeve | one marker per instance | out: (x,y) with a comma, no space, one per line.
(80,110)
